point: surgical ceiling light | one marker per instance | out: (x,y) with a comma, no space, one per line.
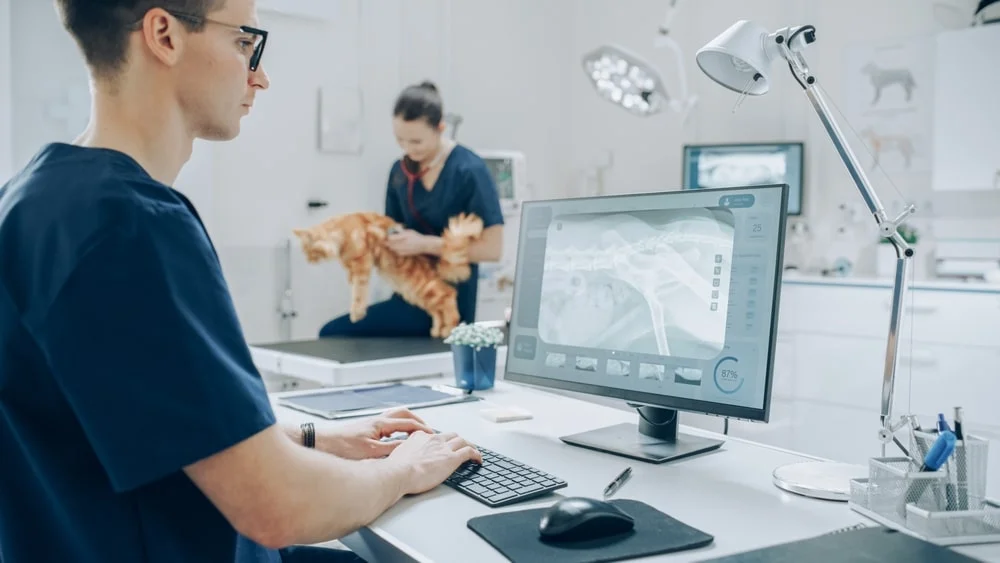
(740,59)
(627,80)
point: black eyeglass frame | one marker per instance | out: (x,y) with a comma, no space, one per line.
(258,51)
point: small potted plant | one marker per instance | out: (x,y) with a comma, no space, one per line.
(474,351)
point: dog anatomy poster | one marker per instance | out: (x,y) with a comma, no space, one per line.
(890,88)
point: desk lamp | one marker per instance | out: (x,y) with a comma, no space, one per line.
(627,80)
(740,59)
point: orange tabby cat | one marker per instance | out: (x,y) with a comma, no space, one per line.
(358,241)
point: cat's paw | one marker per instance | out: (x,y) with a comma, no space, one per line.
(358,314)
(454,273)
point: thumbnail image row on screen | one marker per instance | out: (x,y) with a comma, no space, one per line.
(625,368)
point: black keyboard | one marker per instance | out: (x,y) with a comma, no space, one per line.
(500,481)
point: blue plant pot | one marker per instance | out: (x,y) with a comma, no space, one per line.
(475,370)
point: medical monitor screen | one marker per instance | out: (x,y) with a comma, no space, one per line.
(724,166)
(668,299)
(502,170)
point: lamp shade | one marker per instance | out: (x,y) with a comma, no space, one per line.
(625,79)
(737,55)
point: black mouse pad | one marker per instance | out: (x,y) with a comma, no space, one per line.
(515,535)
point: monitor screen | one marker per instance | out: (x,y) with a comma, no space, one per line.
(723,166)
(665,299)
(502,171)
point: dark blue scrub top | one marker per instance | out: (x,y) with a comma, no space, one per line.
(121,362)
(464,185)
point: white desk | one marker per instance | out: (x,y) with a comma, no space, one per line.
(727,493)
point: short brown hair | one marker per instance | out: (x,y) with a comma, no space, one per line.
(101,27)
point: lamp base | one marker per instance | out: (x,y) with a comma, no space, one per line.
(819,479)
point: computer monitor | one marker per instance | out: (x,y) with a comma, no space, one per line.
(509,171)
(746,164)
(496,279)
(666,300)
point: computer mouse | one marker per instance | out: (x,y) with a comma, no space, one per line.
(581,518)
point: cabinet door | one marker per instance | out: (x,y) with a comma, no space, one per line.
(950,317)
(966,115)
(944,377)
(840,370)
(783,378)
(840,310)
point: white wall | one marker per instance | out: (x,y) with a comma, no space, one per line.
(48,75)
(252,191)
(512,69)
(6,155)
(264,178)
(648,151)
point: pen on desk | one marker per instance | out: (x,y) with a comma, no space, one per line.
(962,461)
(620,480)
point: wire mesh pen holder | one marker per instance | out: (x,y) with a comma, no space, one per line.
(947,506)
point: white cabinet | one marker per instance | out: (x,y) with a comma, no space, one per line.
(839,370)
(836,334)
(967,110)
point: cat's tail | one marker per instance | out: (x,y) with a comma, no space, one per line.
(454,263)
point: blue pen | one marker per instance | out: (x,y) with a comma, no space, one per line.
(942,424)
(935,458)
(939,452)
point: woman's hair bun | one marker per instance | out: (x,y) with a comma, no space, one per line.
(428,85)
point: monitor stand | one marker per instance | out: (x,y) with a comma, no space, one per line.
(655,440)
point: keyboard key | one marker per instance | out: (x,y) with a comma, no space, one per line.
(503,496)
(500,480)
(478,489)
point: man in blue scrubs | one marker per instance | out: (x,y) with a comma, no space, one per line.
(133,424)
(435,180)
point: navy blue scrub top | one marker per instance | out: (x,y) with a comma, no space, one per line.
(121,362)
(464,185)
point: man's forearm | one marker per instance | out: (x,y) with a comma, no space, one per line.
(293,431)
(278,493)
(327,497)
(326,441)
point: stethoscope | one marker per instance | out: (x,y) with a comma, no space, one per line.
(411,180)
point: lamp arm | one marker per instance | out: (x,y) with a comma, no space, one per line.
(887,226)
(668,19)
(663,40)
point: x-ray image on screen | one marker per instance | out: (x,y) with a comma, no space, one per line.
(723,166)
(717,170)
(653,282)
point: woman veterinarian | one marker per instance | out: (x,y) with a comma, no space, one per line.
(436,179)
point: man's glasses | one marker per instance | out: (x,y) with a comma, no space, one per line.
(259,35)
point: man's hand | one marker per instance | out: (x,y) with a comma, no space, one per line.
(362,439)
(411,243)
(431,458)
